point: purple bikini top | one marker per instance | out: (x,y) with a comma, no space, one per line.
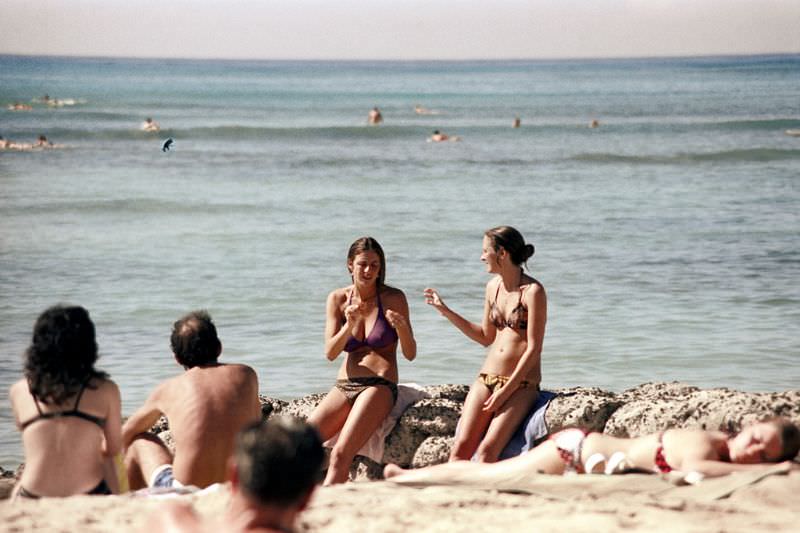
(382,333)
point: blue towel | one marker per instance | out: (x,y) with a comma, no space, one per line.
(532,428)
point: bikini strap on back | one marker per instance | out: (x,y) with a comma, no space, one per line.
(35,401)
(80,393)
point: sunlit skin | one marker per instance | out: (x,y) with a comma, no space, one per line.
(759,443)
(352,311)
(489,418)
(711,453)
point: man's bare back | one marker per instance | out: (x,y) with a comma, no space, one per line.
(206,407)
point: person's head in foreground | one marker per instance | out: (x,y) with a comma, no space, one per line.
(277,463)
(770,441)
(194,340)
(62,354)
(367,262)
(273,473)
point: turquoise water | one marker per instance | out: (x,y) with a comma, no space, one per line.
(668,238)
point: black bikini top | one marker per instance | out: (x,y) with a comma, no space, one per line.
(518,318)
(61,414)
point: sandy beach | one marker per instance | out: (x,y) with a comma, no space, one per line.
(755,501)
(633,502)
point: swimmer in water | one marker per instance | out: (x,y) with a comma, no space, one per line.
(150,125)
(419,110)
(374,117)
(438,137)
(17,106)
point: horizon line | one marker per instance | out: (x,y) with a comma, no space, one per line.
(408,60)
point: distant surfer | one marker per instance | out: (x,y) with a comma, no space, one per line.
(374,117)
(150,125)
(167,145)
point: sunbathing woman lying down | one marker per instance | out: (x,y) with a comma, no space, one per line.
(709,453)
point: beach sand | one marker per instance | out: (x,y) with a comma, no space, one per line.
(423,435)
(633,502)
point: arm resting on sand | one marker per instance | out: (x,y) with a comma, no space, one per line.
(711,468)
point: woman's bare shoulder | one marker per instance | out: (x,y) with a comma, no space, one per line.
(492,284)
(392,296)
(341,294)
(18,387)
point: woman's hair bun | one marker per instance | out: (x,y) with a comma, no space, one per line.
(529,251)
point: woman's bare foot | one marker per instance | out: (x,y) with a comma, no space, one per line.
(392,470)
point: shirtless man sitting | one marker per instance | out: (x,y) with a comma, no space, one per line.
(206,407)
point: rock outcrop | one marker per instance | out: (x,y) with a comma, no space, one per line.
(424,433)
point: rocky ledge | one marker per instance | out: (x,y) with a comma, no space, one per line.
(424,433)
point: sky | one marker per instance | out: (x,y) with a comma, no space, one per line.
(395,29)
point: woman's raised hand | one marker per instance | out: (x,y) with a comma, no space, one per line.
(354,313)
(395,319)
(432,298)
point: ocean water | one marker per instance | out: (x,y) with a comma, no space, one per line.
(668,238)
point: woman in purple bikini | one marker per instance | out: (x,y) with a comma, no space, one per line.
(366,320)
(513,324)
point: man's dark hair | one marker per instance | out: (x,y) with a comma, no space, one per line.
(278,461)
(194,340)
(60,359)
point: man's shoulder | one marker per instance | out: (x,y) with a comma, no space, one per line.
(240,368)
(226,371)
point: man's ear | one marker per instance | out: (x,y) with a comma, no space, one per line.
(233,475)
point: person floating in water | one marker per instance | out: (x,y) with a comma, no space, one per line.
(419,110)
(594,123)
(150,125)
(42,142)
(375,117)
(18,106)
(438,137)
(517,123)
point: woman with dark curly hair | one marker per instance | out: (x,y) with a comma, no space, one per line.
(68,412)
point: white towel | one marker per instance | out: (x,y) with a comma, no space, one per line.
(407,394)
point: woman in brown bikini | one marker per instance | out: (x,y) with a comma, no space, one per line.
(709,453)
(68,412)
(514,317)
(367,320)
